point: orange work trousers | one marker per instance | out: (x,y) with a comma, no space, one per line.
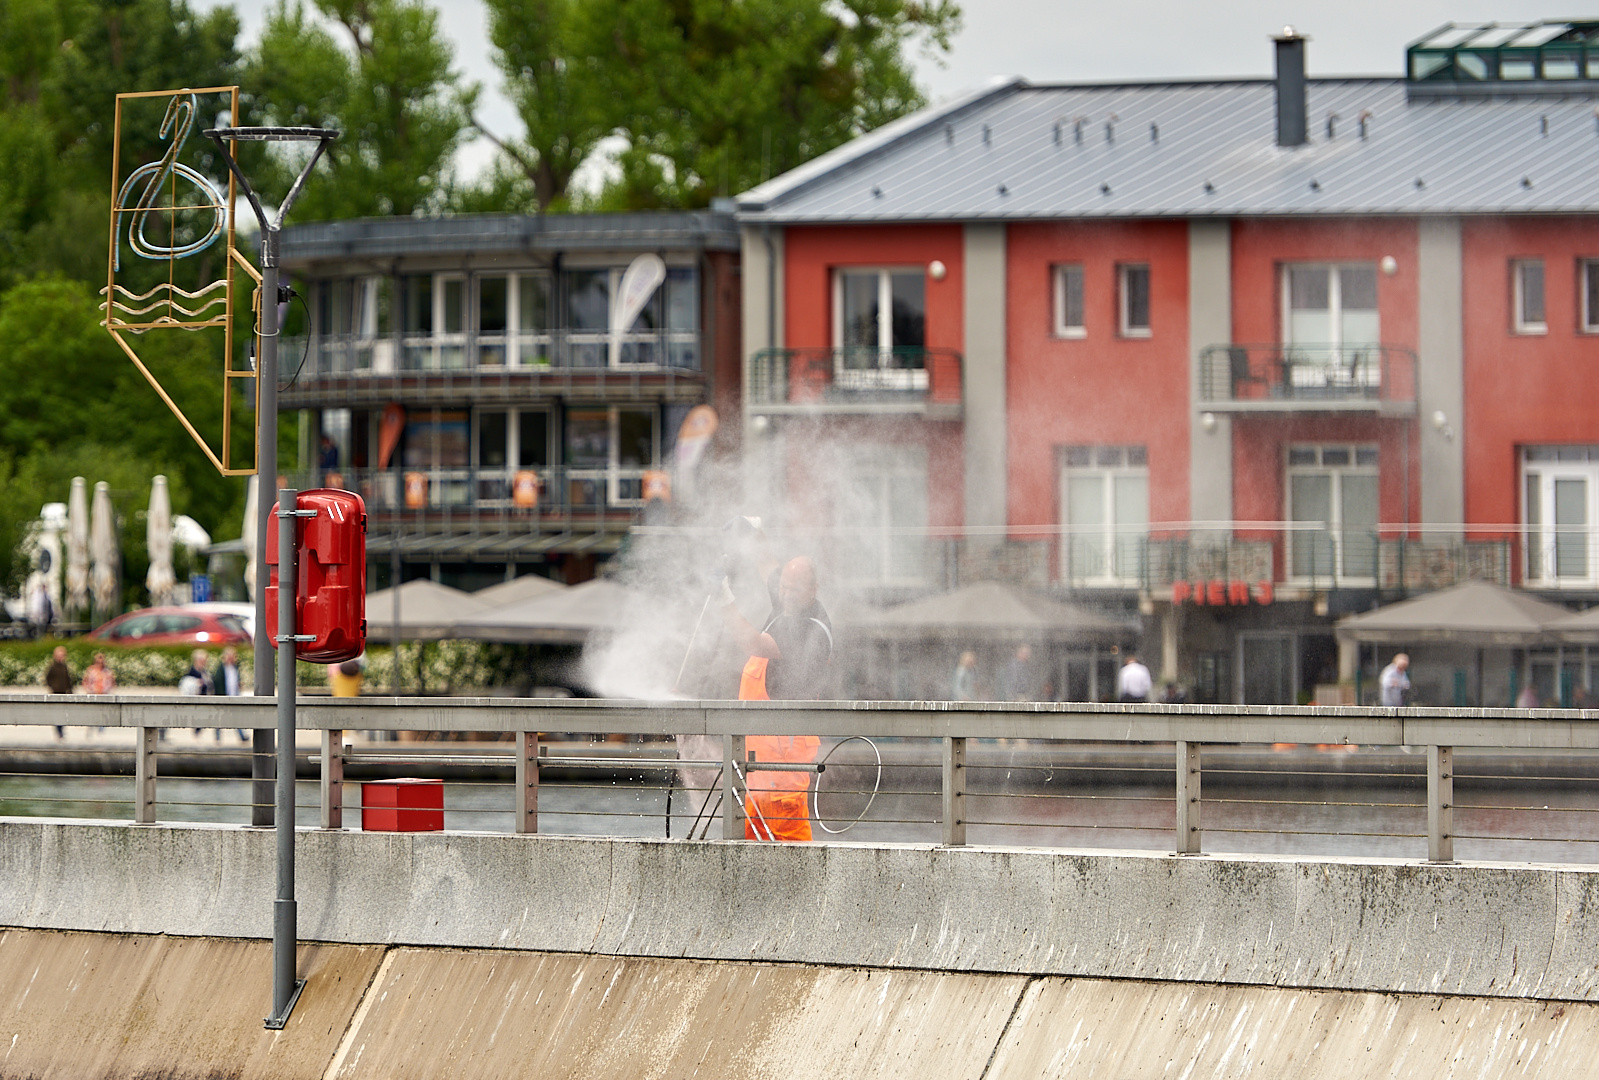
(778,807)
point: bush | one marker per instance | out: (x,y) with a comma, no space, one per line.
(435,667)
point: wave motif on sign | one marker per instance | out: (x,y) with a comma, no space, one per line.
(179,120)
(162,296)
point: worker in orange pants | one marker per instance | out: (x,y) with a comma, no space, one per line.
(789,659)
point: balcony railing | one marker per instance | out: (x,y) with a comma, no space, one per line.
(1308,378)
(376,369)
(855,379)
(506,510)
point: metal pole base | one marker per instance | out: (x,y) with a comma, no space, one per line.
(285,987)
(275,1023)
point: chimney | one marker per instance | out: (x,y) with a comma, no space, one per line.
(1291,105)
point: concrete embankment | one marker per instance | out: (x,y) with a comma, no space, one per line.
(95,1006)
(476,955)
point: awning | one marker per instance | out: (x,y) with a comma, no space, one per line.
(565,617)
(1579,629)
(427,611)
(989,610)
(1478,613)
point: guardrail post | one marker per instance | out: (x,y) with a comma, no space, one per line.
(332,779)
(1440,804)
(1188,798)
(954,792)
(527,781)
(144,772)
(732,803)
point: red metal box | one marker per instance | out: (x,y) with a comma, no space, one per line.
(402,806)
(330,576)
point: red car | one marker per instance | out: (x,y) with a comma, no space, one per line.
(173,626)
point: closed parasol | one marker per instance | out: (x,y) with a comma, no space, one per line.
(103,553)
(159,578)
(78,549)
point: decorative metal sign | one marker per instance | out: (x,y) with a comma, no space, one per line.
(170,217)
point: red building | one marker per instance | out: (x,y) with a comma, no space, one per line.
(1239,356)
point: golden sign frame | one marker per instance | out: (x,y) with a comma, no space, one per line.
(124,315)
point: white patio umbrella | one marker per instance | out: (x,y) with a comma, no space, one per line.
(159,579)
(103,553)
(77,582)
(248,536)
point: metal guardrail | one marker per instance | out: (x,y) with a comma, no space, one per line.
(1193,733)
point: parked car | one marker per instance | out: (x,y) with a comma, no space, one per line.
(173,626)
(245,613)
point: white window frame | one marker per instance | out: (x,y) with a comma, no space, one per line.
(1335,524)
(1123,293)
(1539,559)
(1329,370)
(1590,279)
(886,376)
(614,473)
(1520,324)
(665,337)
(899,549)
(1059,274)
(513,448)
(1122,544)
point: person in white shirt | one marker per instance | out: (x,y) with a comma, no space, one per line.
(1134,683)
(1393,682)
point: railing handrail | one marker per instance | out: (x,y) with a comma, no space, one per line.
(1064,721)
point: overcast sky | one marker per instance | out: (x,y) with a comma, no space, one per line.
(1085,40)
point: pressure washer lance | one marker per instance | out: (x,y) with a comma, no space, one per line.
(738,530)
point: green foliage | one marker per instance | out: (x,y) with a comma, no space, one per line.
(391,93)
(712,97)
(71,404)
(23,663)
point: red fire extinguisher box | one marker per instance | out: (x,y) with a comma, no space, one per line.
(330,576)
(402,806)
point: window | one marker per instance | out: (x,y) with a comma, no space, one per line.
(665,333)
(434,321)
(1331,325)
(1590,296)
(1560,489)
(353,316)
(1105,504)
(1132,289)
(608,451)
(1527,289)
(1069,321)
(880,329)
(1332,512)
(509,441)
(885,496)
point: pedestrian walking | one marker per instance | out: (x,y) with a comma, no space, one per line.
(1133,682)
(965,688)
(58,677)
(1394,682)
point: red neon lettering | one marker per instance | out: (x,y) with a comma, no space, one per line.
(1263,592)
(1238,592)
(1180,591)
(1216,593)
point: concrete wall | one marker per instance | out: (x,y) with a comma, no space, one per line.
(1382,926)
(983,319)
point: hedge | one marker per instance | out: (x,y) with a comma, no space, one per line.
(430,667)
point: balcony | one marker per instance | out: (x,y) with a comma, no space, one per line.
(1372,379)
(855,380)
(505,368)
(492,513)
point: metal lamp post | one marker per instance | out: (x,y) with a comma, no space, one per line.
(285,988)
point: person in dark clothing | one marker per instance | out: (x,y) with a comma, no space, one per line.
(789,659)
(58,677)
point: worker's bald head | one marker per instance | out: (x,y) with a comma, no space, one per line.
(796,589)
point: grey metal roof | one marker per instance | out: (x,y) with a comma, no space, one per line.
(469,234)
(1199,149)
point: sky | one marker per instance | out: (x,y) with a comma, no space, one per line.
(1078,41)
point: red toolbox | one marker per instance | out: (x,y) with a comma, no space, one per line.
(402,806)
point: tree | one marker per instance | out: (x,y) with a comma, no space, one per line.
(69,398)
(390,91)
(711,96)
